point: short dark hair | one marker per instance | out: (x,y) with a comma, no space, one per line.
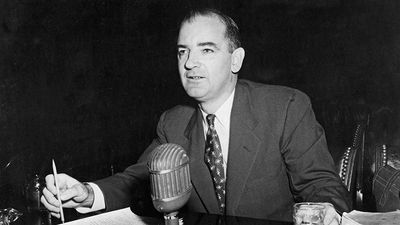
(231,28)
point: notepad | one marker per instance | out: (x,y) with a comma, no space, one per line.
(371,218)
(118,217)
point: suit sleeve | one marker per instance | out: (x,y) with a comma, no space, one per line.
(119,189)
(309,164)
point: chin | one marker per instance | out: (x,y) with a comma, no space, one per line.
(195,95)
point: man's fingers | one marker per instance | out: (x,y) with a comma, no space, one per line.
(49,204)
(64,182)
(50,198)
(50,184)
(77,192)
(69,194)
(74,196)
(55,215)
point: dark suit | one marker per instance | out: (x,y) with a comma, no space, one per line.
(277,155)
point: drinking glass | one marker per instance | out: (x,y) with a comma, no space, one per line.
(8,215)
(312,213)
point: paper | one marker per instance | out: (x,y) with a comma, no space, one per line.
(118,217)
(371,218)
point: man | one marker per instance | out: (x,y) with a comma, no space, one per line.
(273,152)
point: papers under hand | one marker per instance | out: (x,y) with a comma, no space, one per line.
(58,191)
(371,218)
(118,217)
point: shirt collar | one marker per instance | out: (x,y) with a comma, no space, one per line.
(223,113)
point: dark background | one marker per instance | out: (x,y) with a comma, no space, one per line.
(84,82)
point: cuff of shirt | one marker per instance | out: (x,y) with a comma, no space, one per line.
(98,203)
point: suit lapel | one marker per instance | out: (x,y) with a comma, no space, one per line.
(200,176)
(243,148)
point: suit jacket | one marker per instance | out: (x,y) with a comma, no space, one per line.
(277,156)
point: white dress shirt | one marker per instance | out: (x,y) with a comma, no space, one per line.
(222,125)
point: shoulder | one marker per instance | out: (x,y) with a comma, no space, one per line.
(179,110)
(180,114)
(273,94)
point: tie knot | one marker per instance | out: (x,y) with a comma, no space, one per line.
(210,119)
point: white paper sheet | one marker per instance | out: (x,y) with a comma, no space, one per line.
(117,217)
(371,218)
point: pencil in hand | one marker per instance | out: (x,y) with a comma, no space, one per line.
(58,191)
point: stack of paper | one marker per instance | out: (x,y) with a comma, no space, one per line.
(371,218)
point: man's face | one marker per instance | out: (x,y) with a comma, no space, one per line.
(204,60)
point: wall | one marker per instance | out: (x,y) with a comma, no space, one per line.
(84,82)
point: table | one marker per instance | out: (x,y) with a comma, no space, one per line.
(40,218)
(207,219)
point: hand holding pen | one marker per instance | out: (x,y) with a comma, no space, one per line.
(72,194)
(58,191)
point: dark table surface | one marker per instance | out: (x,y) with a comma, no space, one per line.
(35,214)
(203,219)
(41,218)
(38,215)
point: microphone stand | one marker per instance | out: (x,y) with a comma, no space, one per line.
(171,218)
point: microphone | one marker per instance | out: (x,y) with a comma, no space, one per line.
(169,180)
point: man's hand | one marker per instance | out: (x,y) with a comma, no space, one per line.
(331,216)
(73,194)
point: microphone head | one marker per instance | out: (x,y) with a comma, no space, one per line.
(169,177)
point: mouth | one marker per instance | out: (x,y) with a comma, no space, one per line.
(193,76)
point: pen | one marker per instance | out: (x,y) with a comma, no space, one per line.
(58,191)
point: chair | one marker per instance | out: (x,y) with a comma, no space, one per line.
(386,177)
(380,158)
(386,154)
(386,189)
(385,171)
(351,164)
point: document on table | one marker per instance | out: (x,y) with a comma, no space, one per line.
(118,217)
(371,218)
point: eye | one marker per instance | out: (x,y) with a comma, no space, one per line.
(181,52)
(207,50)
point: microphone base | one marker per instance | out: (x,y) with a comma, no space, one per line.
(172,219)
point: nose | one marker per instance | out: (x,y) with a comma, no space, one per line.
(191,61)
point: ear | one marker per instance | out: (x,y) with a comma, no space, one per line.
(237,60)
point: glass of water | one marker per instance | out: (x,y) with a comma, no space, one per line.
(312,213)
(8,215)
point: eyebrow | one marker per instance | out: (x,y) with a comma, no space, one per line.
(212,44)
(201,44)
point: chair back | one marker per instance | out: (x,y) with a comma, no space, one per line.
(351,164)
(386,189)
